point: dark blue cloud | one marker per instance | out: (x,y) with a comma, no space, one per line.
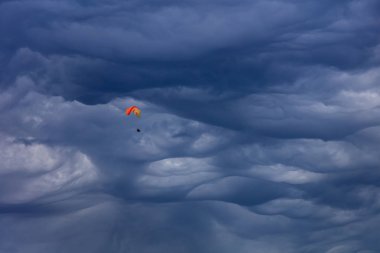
(113,47)
(259,129)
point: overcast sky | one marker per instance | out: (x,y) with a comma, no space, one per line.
(260,127)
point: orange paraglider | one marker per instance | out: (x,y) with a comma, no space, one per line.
(133,109)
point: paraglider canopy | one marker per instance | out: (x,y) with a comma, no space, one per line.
(133,109)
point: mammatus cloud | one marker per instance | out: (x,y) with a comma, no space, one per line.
(31,171)
(260,126)
(66,149)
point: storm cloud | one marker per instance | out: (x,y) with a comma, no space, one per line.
(260,126)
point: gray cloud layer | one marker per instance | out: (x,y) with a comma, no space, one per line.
(260,127)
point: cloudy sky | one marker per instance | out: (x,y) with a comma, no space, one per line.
(260,127)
